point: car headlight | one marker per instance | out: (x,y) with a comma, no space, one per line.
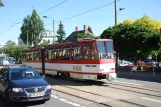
(17,89)
(48,87)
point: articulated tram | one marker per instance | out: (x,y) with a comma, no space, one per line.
(86,59)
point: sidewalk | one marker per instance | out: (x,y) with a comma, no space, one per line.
(140,75)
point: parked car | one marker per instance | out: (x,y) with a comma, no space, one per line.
(151,61)
(126,63)
(23,84)
(5,63)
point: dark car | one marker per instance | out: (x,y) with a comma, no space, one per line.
(23,84)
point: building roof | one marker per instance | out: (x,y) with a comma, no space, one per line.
(73,37)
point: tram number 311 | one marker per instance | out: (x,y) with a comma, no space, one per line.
(77,68)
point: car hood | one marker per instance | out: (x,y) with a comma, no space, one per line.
(26,83)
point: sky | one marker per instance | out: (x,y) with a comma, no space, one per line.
(100,19)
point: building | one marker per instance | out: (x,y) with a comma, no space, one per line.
(73,37)
(49,37)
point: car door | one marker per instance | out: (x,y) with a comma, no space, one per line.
(4,81)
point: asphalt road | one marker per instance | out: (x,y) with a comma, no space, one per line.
(155,85)
(59,99)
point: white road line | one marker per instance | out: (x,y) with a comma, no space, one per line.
(145,98)
(54,96)
(129,83)
(64,100)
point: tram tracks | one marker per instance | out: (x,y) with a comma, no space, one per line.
(133,88)
(141,90)
(71,91)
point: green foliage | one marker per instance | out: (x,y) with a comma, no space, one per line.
(80,35)
(45,43)
(12,50)
(61,33)
(1,4)
(1,50)
(33,27)
(90,29)
(97,37)
(142,35)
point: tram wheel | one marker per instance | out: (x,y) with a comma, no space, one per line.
(65,75)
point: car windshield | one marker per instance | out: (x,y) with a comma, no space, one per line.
(24,74)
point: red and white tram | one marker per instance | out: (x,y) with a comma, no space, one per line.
(86,59)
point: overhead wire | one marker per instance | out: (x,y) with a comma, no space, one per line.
(87,11)
(38,14)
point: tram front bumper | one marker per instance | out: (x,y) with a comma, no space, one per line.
(111,76)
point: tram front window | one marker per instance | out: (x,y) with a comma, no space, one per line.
(105,49)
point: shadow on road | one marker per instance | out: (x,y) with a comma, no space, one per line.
(55,80)
(4,103)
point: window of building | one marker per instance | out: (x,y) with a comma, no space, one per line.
(66,53)
(48,40)
(76,52)
(86,51)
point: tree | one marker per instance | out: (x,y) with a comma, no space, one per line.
(1,4)
(45,43)
(33,28)
(90,29)
(9,48)
(80,35)
(0,50)
(61,33)
(12,50)
(135,37)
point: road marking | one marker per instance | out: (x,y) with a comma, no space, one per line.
(145,98)
(54,96)
(64,100)
(129,83)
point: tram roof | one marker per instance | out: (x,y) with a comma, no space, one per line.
(68,43)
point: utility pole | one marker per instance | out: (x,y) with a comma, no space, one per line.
(115,4)
(117,53)
(53,31)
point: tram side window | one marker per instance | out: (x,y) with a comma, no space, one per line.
(24,56)
(28,56)
(31,55)
(86,51)
(58,53)
(102,49)
(94,52)
(51,54)
(36,55)
(76,52)
(66,53)
(109,47)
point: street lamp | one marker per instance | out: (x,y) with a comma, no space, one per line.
(53,25)
(120,9)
